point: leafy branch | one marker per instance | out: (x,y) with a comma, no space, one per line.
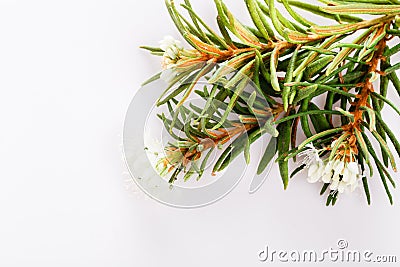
(292,64)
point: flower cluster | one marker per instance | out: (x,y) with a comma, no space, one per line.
(172,49)
(340,170)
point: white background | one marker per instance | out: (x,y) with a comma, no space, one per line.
(68,70)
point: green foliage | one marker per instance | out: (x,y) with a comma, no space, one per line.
(290,63)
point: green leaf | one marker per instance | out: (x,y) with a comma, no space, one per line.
(176,19)
(366,190)
(284,129)
(379,167)
(371,116)
(319,121)
(347,28)
(394,32)
(167,125)
(323,189)
(389,132)
(208,67)
(273,14)
(387,101)
(289,25)
(152,49)
(288,79)
(341,56)
(173,94)
(318,11)
(362,144)
(236,148)
(305,92)
(395,81)
(237,28)
(319,135)
(204,163)
(363,8)
(255,16)
(306,113)
(313,55)
(392,51)
(317,66)
(297,170)
(263,12)
(247,151)
(385,146)
(382,133)
(304,119)
(230,66)
(269,153)
(152,79)
(273,66)
(392,68)
(296,16)
(266,75)
(332,197)
(223,31)
(238,90)
(196,18)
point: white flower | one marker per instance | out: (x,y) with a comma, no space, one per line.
(171,47)
(340,174)
(328,172)
(346,176)
(311,155)
(340,186)
(313,162)
(350,173)
(337,168)
(315,171)
(169,41)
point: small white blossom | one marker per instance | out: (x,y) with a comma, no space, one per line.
(311,155)
(346,176)
(328,172)
(171,48)
(313,162)
(339,174)
(169,42)
(315,171)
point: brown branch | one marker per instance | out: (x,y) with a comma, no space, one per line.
(368,87)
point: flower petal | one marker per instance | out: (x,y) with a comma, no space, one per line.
(327,177)
(353,167)
(312,169)
(313,174)
(346,175)
(338,166)
(334,185)
(341,187)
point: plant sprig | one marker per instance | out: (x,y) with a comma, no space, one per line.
(291,62)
